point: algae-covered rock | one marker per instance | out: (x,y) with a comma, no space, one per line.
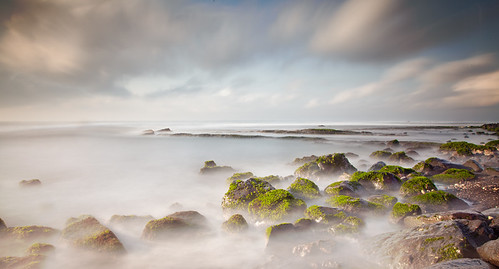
(417,186)
(350,225)
(210,167)
(239,176)
(400,157)
(414,221)
(399,171)
(276,205)
(400,211)
(241,193)
(354,205)
(350,188)
(235,224)
(425,245)
(325,215)
(182,224)
(303,188)
(490,252)
(386,200)
(453,175)
(438,201)
(333,164)
(276,233)
(377,166)
(273,179)
(40,248)
(377,180)
(380,155)
(87,233)
(34,261)
(464,263)
(465,149)
(28,233)
(433,166)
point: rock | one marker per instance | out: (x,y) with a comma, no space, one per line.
(393,144)
(328,165)
(491,171)
(355,206)
(87,233)
(40,248)
(317,248)
(377,166)
(273,179)
(436,201)
(2,224)
(165,130)
(241,193)
(183,224)
(306,159)
(351,155)
(235,224)
(425,245)
(276,233)
(401,211)
(453,176)
(350,188)
(210,167)
(399,171)
(239,176)
(28,233)
(465,263)
(433,166)
(303,188)
(412,154)
(417,186)
(350,225)
(380,155)
(490,252)
(304,224)
(442,216)
(325,215)
(130,220)
(30,183)
(377,180)
(386,200)
(401,157)
(34,261)
(473,165)
(462,148)
(148,132)
(276,205)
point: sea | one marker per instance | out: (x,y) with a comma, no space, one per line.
(115,168)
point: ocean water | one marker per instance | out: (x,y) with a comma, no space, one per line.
(102,169)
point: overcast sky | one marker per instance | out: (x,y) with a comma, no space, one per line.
(353,60)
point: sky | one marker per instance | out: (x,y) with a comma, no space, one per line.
(219,60)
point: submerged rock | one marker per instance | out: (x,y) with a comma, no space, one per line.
(88,233)
(377,166)
(235,224)
(210,167)
(380,155)
(30,183)
(436,201)
(183,224)
(130,220)
(400,157)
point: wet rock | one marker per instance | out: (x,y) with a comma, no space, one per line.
(276,205)
(239,176)
(351,155)
(355,206)
(437,201)
(28,233)
(490,252)
(433,166)
(465,263)
(453,176)
(377,166)
(317,248)
(380,155)
(350,225)
(88,233)
(328,165)
(30,183)
(350,188)
(210,167)
(165,130)
(40,248)
(303,188)
(393,144)
(492,171)
(442,216)
(325,215)
(306,159)
(277,234)
(235,224)
(148,132)
(412,154)
(401,158)
(386,200)
(417,186)
(399,171)
(241,193)
(183,224)
(34,261)
(401,211)
(474,165)
(425,245)
(304,224)
(377,180)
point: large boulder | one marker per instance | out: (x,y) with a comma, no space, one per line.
(182,224)
(425,245)
(433,166)
(241,193)
(235,224)
(350,188)
(210,167)
(437,201)
(276,205)
(376,181)
(490,252)
(400,211)
(417,186)
(325,215)
(355,206)
(303,188)
(399,171)
(401,158)
(87,233)
(324,166)
(442,216)
(453,175)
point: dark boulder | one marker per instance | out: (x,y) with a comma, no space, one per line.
(376,181)
(328,165)
(490,252)
(473,165)
(350,188)
(442,216)
(377,166)
(210,167)
(437,201)
(465,263)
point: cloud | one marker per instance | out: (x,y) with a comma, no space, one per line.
(476,91)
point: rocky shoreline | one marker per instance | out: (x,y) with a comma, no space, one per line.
(445,209)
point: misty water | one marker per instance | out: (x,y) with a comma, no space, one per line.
(103,169)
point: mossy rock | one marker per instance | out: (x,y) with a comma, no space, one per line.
(350,188)
(272,179)
(303,188)
(210,167)
(87,233)
(402,210)
(276,205)
(327,165)
(278,231)
(375,180)
(377,166)
(353,205)
(422,167)
(380,155)
(493,143)
(241,193)
(417,186)
(350,225)
(401,157)
(399,171)
(28,233)
(304,224)
(453,175)
(386,200)
(465,148)
(33,261)
(239,176)
(310,170)
(438,201)
(394,143)
(182,224)
(325,215)
(235,224)
(40,248)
